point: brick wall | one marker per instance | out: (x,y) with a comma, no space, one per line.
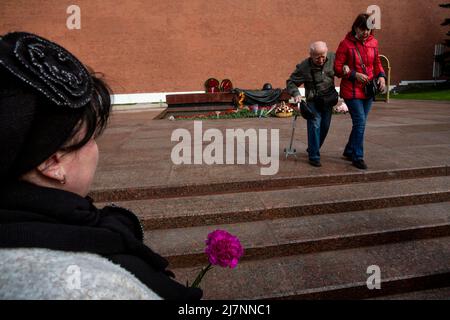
(174,45)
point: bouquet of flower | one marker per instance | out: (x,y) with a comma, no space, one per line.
(283,110)
(342,108)
(222,249)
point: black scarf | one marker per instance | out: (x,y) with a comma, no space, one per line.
(38,217)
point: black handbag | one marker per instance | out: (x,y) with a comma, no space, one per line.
(371,89)
(327,100)
(306,112)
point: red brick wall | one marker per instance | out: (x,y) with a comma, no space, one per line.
(174,45)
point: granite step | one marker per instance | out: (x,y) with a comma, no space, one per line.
(288,203)
(184,247)
(341,274)
(432,294)
(263,184)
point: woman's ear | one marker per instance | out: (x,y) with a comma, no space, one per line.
(53,168)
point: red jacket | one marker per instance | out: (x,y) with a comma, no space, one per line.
(346,54)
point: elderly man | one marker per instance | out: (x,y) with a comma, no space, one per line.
(317,75)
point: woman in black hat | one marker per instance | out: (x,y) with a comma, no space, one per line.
(54,243)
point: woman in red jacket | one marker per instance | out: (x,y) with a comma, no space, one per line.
(358,63)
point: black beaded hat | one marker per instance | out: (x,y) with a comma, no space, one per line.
(43,92)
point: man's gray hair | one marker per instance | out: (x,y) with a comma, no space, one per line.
(315,46)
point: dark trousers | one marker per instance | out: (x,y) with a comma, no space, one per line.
(317,130)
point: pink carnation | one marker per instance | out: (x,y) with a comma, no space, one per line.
(223,249)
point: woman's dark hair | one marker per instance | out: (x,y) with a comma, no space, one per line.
(361,22)
(94,116)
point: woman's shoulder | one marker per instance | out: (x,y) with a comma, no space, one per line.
(349,44)
(346,43)
(50,274)
(372,42)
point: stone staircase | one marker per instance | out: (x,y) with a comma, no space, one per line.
(310,237)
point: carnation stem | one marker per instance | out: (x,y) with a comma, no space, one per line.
(201,275)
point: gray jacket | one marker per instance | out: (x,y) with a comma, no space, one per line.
(303,74)
(43,274)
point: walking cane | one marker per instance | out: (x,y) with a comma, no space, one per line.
(289,151)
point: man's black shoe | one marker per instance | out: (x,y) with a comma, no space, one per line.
(315,163)
(360,164)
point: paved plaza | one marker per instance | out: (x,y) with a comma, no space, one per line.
(135,150)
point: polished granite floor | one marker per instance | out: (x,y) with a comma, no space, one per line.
(135,150)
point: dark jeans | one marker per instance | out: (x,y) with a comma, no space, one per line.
(359,110)
(317,131)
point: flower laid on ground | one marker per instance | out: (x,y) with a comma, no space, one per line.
(283,108)
(223,249)
(227,114)
(205,115)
